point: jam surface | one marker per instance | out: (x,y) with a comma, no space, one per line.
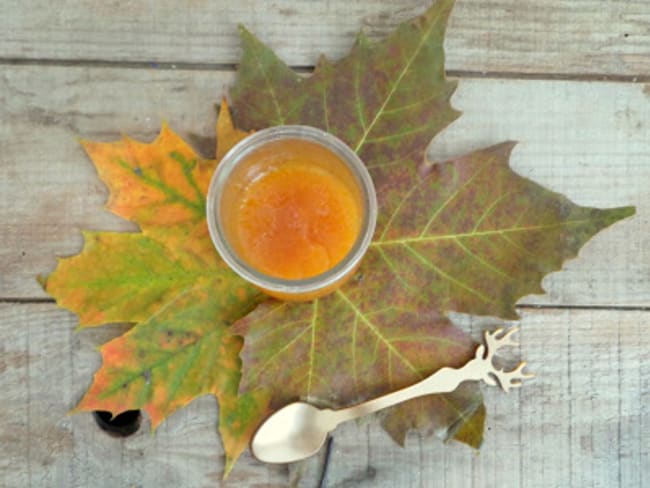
(300,214)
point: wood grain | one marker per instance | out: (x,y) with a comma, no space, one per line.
(95,69)
(566,37)
(44,369)
(587,140)
(583,421)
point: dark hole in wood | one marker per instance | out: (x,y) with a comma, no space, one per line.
(122,425)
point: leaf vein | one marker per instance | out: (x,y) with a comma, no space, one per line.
(433,238)
(437,339)
(391,266)
(399,135)
(278,329)
(255,373)
(169,192)
(406,196)
(357,96)
(447,276)
(354,354)
(312,347)
(266,314)
(516,245)
(187,167)
(397,82)
(179,375)
(326,114)
(488,211)
(451,197)
(376,331)
(483,262)
(269,88)
(415,104)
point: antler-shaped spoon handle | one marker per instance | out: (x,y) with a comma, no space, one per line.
(298,430)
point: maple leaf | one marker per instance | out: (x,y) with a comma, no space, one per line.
(385,100)
(468,235)
(338,351)
(169,280)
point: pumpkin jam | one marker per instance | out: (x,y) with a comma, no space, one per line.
(294,209)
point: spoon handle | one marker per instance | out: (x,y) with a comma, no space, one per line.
(445,380)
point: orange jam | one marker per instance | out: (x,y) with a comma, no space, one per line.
(292,210)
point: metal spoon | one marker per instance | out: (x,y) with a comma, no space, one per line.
(299,430)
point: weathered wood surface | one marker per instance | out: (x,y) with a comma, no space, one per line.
(590,141)
(44,369)
(583,422)
(579,37)
(87,69)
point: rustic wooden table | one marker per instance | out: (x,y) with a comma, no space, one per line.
(564,77)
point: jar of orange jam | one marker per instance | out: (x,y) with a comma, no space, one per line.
(292,209)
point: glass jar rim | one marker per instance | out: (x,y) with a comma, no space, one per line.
(238,154)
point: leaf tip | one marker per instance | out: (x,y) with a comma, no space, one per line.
(437,13)
(470,430)
(398,435)
(244,33)
(443,8)
(362,39)
(42,280)
(81,406)
(224,117)
(322,64)
(72,411)
(509,310)
(88,146)
(505,147)
(156,420)
(229,464)
(626,212)
(610,216)
(165,130)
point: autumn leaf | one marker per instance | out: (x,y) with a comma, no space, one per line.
(468,235)
(337,352)
(167,279)
(385,100)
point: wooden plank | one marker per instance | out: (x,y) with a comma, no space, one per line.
(505,36)
(587,140)
(44,369)
(584,421)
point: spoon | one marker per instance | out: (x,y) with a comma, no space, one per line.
(298,430)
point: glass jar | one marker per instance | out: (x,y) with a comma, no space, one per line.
(274,151)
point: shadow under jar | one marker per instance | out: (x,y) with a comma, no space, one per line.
(292,210)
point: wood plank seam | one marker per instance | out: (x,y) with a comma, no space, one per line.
(229,67)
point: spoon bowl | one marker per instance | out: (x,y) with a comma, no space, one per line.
(293,433)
